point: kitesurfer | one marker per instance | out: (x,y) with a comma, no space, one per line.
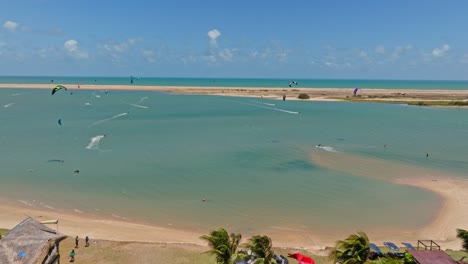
(284,97)
(76,171)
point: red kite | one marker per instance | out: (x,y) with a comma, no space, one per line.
(302,259)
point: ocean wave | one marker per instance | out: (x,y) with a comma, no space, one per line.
(327,148)
(78,211)
(142,99)
(273,108)
(8,105)
(25,202)
(94,142)
(108,119)
(140,106)
(119,217)
(47,206)
(270,104)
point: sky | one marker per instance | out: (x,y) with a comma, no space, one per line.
(329,39)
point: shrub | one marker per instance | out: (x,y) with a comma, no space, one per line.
(303,96)
(463,235)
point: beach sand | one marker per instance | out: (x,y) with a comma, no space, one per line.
(316,94)
(452,189)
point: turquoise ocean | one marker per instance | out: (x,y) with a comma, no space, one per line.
(152,157)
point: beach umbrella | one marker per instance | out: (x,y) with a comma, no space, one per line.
(302,258)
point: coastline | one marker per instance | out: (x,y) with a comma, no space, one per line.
(441,229)
(417,97)
(451,215)
(450,188)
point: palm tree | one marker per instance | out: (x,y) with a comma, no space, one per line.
(463,235)
(353,250)
(261,248)
(223,246)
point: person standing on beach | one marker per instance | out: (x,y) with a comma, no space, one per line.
(87,241)
(76,241)
(72,256)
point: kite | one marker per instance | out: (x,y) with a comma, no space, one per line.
(356,90)
(57,88)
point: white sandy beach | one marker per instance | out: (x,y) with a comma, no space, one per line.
(451,188)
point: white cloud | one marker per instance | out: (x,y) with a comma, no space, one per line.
(380,49)
(71,47)
(398,51)
(149,55)
(363,54)
(189,58)
(210,58)
(10,25)
(330,64)
(226,54)
(282,56)
(213,35)
(259,54)
(43,53)
(440,52)
(120,47)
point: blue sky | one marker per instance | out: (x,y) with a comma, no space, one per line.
(298,38)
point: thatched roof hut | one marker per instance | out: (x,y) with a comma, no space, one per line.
(30,242)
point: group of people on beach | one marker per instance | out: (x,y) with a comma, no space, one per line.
(77,240)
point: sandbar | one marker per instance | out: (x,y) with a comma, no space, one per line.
(431,97)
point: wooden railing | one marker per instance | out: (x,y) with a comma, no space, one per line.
(428,245)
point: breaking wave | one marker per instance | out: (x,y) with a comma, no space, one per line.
(327,148)
(108,119)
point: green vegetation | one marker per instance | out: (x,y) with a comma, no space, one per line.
(303,96)
(353,250)
(261,247)
(439,103)
(3,232)
(381,99)
(223,246)
(463,235)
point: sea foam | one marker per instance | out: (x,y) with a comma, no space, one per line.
(108,119)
